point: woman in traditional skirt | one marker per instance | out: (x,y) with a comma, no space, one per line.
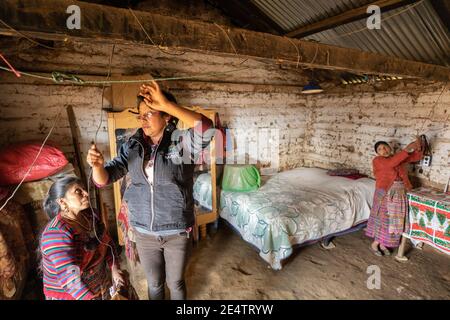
(390,205)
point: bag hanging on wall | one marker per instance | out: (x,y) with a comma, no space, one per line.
(16,160)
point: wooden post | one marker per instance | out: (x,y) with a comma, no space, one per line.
(401,249)
(76,142)
(203,232)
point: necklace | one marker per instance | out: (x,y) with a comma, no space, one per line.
(86,227)
(88,235)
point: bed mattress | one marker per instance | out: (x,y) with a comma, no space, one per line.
(291,208)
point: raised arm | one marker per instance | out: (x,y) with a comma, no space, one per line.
(399,157)
(393,161)
(113,170)
(415,156)
(155,99)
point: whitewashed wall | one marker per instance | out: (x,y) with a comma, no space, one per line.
(27,112)
(344,128)
(327,130)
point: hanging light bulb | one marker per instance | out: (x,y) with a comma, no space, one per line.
(312,87)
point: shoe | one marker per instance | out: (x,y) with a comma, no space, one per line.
(376,252)
(385,251)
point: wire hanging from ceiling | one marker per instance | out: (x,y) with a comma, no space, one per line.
(151,40)
(25,36)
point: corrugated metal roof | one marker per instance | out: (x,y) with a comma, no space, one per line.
(416,34)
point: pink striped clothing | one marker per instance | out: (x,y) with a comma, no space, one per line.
(71,269)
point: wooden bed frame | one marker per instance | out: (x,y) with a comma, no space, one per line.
(127,120)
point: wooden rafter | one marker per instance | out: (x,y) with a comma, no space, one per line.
(248,15)
(46,19)
(442,9)
(346,17)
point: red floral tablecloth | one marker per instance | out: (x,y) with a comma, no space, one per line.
(429,218)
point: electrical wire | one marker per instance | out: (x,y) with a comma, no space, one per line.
(93,226)
(433,109)
(27,74)
(25,36)
(103,93)
(10,66)
(90,173)
(151,40)
(231,43)
(228,37)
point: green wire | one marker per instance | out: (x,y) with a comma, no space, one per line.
(79,81)
(27,74)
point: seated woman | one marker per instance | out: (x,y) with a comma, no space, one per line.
(390,206)
(78,255)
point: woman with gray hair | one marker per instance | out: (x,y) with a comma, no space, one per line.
(78,257)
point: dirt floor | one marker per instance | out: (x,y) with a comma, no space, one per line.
(226,267)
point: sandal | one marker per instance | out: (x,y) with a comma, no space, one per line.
(385,251)
(376,252)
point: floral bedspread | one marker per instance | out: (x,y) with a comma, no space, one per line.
(291,208)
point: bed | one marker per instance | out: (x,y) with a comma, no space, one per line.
(292,208)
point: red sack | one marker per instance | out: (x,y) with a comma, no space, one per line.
(16,159)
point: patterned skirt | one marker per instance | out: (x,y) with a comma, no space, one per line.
(388,215)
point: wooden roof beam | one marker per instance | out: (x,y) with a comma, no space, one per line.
(46,19)
(346,17)
(442,9)
(248,15)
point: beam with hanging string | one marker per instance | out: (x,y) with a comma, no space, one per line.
(46,20)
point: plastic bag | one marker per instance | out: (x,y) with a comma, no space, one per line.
(241,178)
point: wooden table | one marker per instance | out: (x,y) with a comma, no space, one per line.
(429,219)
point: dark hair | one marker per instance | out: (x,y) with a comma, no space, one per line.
(173,122)
(51,207)
(379,143)
(58,190)
(166,94)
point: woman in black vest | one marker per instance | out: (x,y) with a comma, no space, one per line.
(160,162)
